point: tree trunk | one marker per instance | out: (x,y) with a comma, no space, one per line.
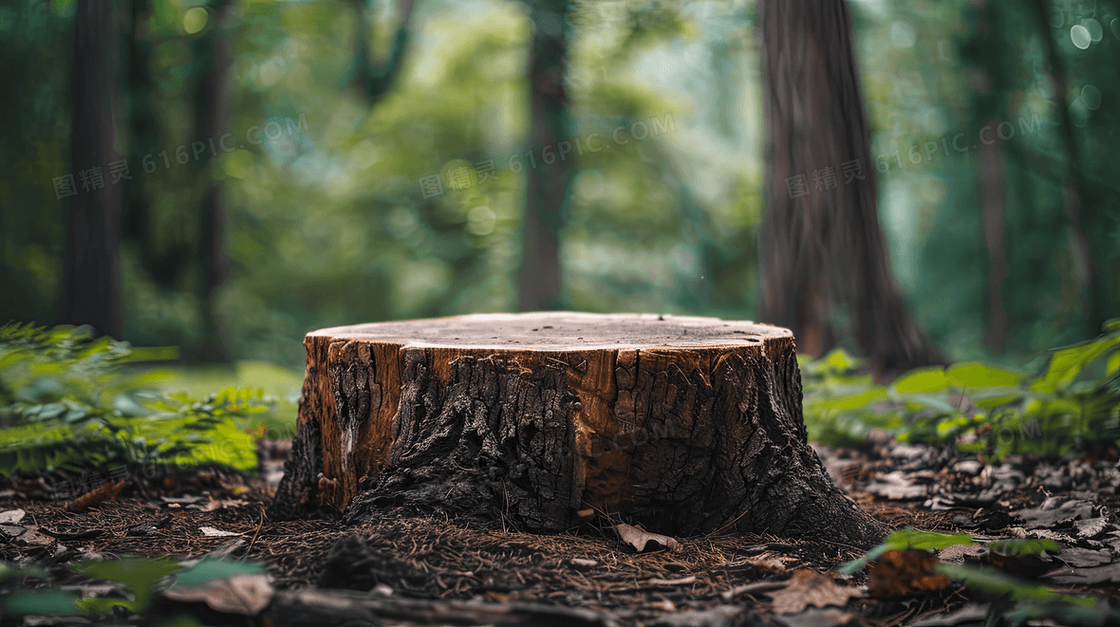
(92,262)
(821,244)
(683,425)
(539,276)
(1075,186)
(990,166)
(164,253)
(373,81)
(213,59)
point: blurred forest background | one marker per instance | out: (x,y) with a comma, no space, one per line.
(308,163)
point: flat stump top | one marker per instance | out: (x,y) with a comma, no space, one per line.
(562,331)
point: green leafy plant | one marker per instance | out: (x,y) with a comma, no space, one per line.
(1032,546)
(1029,600)
(67,400)
(1073,402)
(908,538)
(1025,599)
(141,578)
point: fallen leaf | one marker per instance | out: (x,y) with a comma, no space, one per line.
(12,516)
(808,587)
(32,537)
(1090,528)
(76,535)
(901,573)
(12,531)
(817,618)
(182,500)
(1087,576)
(1054,512)
(770,561)
(148,528)
(246,595)
(211,532)
(639,539)
(958,553)
(213,504)
(897,486)
(1077,557)
(969,614)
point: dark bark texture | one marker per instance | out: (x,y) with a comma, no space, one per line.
(683,425)
(92,259)
(824,249)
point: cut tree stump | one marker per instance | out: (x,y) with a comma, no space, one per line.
(681,425)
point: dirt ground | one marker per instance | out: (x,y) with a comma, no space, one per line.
(422,560)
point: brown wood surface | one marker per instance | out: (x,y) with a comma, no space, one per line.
(682,425)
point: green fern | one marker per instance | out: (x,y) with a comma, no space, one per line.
(68,402)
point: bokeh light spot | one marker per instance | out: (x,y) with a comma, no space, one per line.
(1080,36)
(194,20)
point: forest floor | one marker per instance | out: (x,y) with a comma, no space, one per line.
(409,570)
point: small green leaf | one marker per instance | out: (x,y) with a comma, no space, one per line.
(10,571)
(908,538)
(208,569)
(1025,547)
(1066,363)
(100,606)
(42,603)
(142,575)
(975,374)
(922,381)
(996,582)
(840,360)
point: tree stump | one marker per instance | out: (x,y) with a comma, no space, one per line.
(682,425)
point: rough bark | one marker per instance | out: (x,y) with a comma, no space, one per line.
(539,278)
(683,425)
(825,248)
(92,262)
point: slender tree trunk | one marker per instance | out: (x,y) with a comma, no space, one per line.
(374,81)
(539,277)
(994,209)
(164,252)
(92,262)
(1074,184)
(211,121)
(821,245)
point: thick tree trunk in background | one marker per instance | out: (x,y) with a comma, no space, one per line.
(825,248)
(539,279)
(92,259)
(213,60)
(993,205)
(682,425)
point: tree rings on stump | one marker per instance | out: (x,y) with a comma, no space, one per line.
(682,425)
